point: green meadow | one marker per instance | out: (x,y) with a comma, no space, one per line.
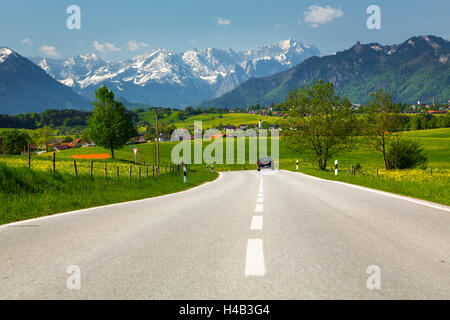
(208,120)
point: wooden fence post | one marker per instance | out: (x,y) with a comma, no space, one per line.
(75,168)
(146,171)
(131,168)
(92,168)
(106,170)
(118,174)
(140,173)
(153,171)
(53,162)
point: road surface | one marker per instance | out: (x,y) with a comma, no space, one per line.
(247,235)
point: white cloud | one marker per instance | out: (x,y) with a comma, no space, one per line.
(49,51)
(105,48)
(222,21)
(321,15)
(27,41)
(134,45)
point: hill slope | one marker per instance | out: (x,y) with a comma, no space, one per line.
(24,87)
(417,69)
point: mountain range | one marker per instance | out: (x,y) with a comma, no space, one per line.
(175,79)
(25,87)
(417,69)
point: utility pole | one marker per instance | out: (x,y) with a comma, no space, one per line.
(157,136)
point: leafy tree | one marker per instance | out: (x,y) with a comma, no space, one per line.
(189,110)
(43,136)
(14,141)
(382,122)
(110,125)
(182,115)
(406,154)
(319,120)
(84,136)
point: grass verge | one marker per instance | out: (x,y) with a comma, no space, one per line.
(431,191)
(27,193)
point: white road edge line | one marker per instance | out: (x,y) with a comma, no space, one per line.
(55,215)
(257,223)
(259,208)
(254,264)
(384,193)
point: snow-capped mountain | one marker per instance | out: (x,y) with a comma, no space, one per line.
(417,69)
(176,79)
(24,87)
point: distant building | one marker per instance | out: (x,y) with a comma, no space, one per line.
(437,111)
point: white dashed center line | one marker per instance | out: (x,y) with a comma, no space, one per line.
(254,265)
(257,223)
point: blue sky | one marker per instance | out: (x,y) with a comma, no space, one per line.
(122,29)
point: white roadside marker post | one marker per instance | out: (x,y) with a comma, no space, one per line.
(296,165)
(184,174)
(335,167)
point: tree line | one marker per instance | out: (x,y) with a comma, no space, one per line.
(66,118)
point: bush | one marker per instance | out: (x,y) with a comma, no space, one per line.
(14,141)
(406,154)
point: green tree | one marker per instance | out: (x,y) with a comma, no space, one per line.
(110,125)
(382,123)
(43,136)
(14,141)
(406,154)
(319,120)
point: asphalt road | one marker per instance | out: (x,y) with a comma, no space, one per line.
(290,236)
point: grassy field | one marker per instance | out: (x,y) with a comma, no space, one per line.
(213,120)
(149,116)
(208,121)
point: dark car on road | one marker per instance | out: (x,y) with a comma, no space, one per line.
(265,162)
